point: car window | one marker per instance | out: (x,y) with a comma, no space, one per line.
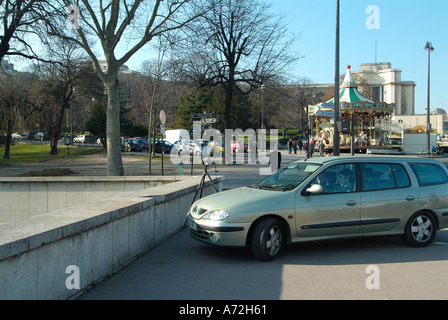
(429,173)
(289,177)
(401,177)
(337,179)
(377,176)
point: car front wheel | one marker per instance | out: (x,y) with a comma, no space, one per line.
(267,239)
(420,230)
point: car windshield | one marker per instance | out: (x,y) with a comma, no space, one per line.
(287,178)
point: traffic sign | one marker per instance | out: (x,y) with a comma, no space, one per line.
(201,115)
(162,117)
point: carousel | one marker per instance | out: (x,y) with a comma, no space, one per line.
(364,123)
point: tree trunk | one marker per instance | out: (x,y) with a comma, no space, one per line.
(8,140)
(54,132)
(114,161)
(53,145)
(228,106)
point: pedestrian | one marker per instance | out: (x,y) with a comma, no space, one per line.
(290,146)
(312,147)
(294,146)
(300,142)
(275,158)
(321,147)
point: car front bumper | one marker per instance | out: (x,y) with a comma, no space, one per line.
(217,232)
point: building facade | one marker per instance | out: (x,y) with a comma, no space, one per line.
(388,87)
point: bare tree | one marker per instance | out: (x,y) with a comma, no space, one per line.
(11,98)
(21,25)
(17,103)
(62,83)
(239,45)
(119,24)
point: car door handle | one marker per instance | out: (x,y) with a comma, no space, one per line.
(351,203)
(410,198)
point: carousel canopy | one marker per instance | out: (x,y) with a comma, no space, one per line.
(351,101)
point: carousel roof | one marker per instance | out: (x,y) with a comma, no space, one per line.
(351,101)
(349,90)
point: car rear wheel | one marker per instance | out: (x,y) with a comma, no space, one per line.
(420,230)
(267,239)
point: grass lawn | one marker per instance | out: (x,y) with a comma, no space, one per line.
(24,152)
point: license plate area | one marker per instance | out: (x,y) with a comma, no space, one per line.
(192,225)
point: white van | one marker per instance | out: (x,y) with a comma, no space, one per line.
(176,135)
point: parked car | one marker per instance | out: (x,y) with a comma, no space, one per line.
(28,135)
(143,142)
(236,146)
(132,145)
(186,147)
(167,146)
(16,135)
(328,198)
(83,139)
(41,136)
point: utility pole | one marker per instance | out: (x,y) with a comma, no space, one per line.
(336,139)
(430,49)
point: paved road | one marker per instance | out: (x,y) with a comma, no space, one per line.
(136,164)
(184,269)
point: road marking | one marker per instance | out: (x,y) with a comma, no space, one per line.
(441,243)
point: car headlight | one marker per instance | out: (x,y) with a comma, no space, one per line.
(216,215)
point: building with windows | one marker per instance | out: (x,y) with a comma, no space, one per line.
(123,69)
(387,86)
(438,120)
(6,67)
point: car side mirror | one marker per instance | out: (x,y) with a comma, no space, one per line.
(314,189)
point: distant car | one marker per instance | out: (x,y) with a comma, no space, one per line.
(41,136)
(186,147)
(27,135)
(143,142)
(16,135)
(83,139)
(167,146)
(328,198)
(206,149)
(237,146)
(132,145)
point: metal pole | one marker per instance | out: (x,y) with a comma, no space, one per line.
(262,106)
(336,149)
(428,114)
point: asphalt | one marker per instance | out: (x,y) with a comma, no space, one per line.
(137,164)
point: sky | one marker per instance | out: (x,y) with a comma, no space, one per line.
(397,33)
(401,33)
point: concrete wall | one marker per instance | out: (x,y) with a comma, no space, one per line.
(25,197)
(43,256)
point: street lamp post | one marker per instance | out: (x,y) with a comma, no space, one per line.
(430,49)
(262,106)
(336,148)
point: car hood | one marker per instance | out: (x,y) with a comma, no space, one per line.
(243,199)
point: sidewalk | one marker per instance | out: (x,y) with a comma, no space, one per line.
(136,164)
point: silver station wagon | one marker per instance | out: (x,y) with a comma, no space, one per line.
(325,198)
